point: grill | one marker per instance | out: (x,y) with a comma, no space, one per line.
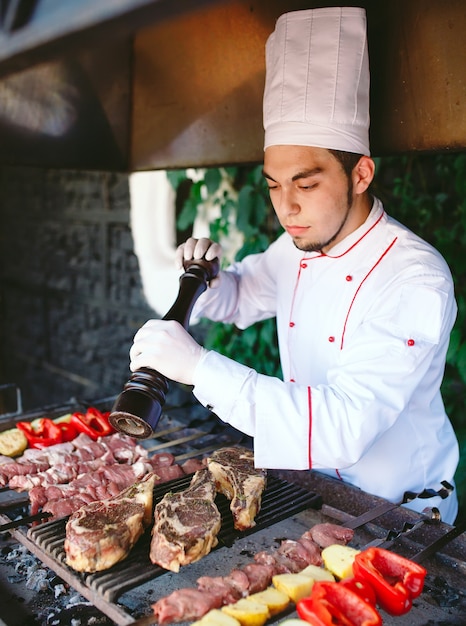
(280,500)
(292,502)
(185,437)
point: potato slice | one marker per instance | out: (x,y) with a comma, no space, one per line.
(339,560)
(13,442)
(216,617)
(296,586)
(275,600)
(317,573)
(248,612)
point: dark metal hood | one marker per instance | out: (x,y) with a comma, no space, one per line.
(127,85)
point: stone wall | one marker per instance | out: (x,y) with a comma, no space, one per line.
(70,292)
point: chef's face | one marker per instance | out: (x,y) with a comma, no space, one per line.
(315,201)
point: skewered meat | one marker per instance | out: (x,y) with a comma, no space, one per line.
(259,576)
(193,465)
(186,524)
(229,588)
(62,478)
(184,605)
(313,548)
(100,534)
(299,554)
(238,479)
(281,563)
(328,534)
(292,556)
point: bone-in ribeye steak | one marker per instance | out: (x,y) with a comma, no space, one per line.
(100,534)
(186,524)
(238,479)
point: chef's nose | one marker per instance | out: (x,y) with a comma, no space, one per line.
(288,203)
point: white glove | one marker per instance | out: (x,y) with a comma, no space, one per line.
(165,346)
(199,249)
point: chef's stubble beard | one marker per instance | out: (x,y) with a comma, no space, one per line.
(319,246)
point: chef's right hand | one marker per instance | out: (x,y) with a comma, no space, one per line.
(199,249)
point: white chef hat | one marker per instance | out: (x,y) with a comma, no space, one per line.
(317,80)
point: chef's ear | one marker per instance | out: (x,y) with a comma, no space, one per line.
(363,174)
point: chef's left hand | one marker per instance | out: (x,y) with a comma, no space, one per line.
(165,346)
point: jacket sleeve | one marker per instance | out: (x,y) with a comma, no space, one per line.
(395,358)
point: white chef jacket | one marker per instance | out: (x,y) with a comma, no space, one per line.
(363,332)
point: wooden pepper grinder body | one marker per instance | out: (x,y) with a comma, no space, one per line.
(138,408)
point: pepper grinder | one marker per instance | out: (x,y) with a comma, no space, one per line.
(138,408)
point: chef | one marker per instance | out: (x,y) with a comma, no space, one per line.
(364,307)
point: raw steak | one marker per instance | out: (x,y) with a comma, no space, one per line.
(238,479)
(100,534)
(186,524)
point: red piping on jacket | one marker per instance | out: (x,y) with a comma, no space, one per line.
(359,287)
(291,312)
(338,256)
(309,404)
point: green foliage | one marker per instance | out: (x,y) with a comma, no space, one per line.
(189,212)
(243,203)
(425,192)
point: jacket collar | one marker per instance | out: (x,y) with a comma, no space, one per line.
(348,243)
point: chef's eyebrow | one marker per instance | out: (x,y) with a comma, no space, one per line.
(304,174)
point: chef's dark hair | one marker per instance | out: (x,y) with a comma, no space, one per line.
(347,160)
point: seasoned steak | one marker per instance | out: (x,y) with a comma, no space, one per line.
(186,524)
(100,534)
(238,479)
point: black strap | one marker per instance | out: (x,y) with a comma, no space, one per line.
(443,492)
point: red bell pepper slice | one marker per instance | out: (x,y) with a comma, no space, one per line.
(68,431)
(93,423)
(332,603)
(42,434)
(395,579)
(362,588)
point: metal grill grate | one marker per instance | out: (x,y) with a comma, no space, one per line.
(280,501)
